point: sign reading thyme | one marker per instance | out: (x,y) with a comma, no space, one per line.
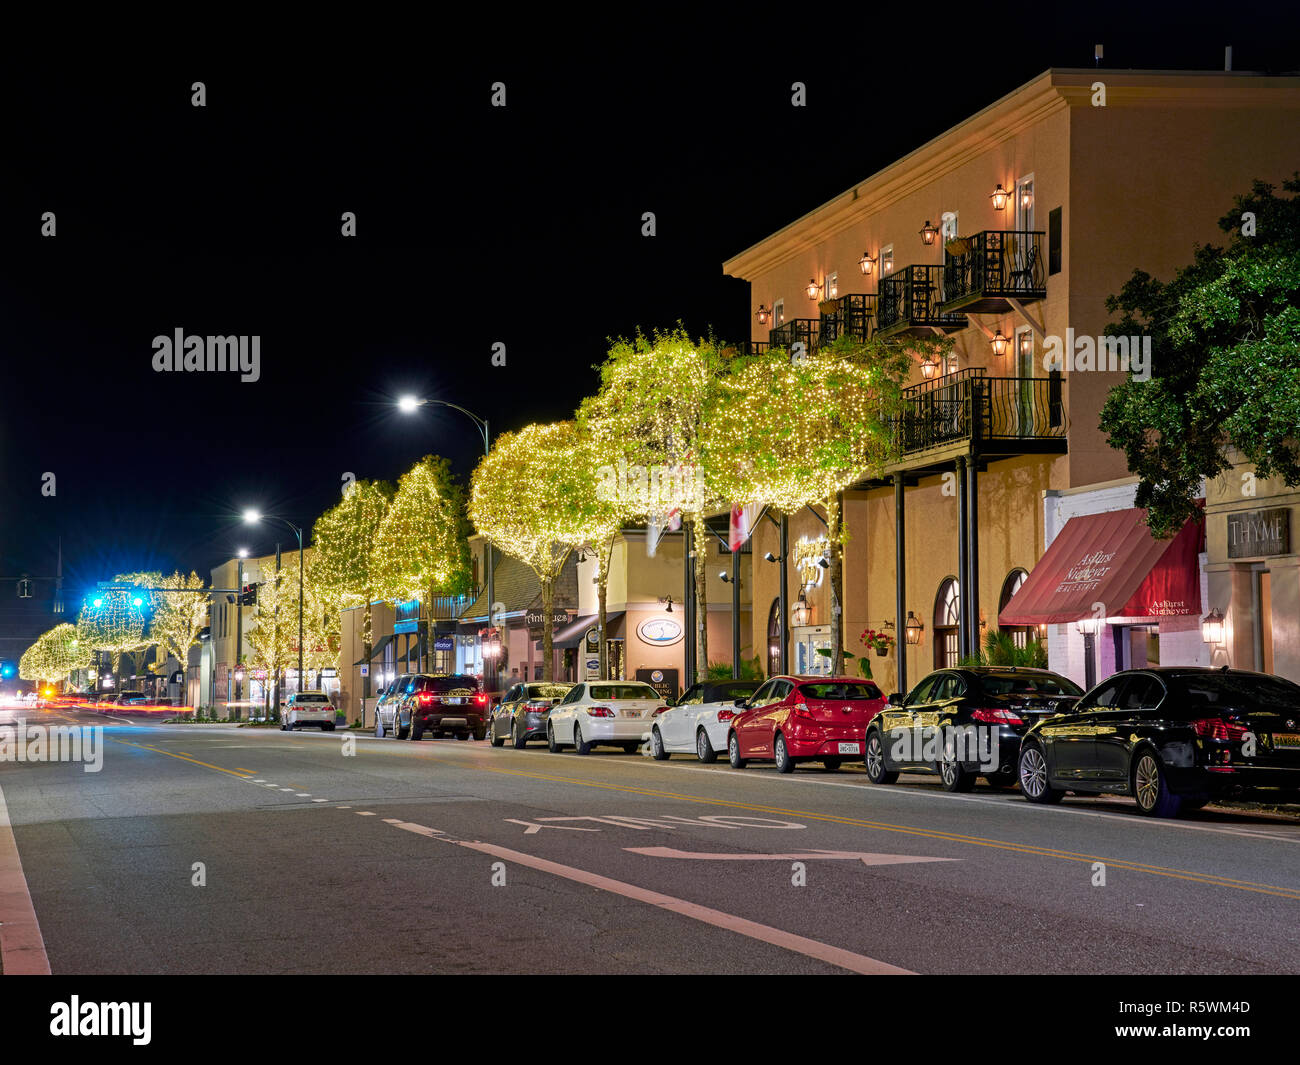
(1259,532)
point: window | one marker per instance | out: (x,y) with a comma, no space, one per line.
(623,691)
(778,312)
(833,286)
(947,616)
(693,695)
(1021,634)
(774,638)
(1103,698)
(886,260)
(1025,203)
(948,226)
(1144,693)
(921,693)
(1054,241)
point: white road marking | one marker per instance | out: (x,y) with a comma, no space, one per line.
(303,795)
(419,830)
(364,813)
(533,829)
(865,857)
(22,947)
(320,800)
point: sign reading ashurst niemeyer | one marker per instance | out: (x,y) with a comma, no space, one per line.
(1259,532)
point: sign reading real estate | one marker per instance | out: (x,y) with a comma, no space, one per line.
(1259,532)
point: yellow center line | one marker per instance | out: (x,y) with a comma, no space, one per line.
(186,758)
(925,833)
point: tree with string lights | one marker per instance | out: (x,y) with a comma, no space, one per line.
(54,656)
(178,610)
(114,620)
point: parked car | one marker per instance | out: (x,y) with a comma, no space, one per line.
(439,703)
(699,720)
(386,706)
(602,713)
(130,698)
(1173,738)
(521,715)
(964,723)
(308,708)
(798,719)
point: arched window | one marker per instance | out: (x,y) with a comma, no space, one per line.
(1022,634)
(947,616)
(774,638)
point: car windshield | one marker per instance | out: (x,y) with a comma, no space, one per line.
(312,697)
(1214,690)
(548,691)
(1028,684)
(454,683)
(840,690)
(727,693)
(131,695)
(623,691)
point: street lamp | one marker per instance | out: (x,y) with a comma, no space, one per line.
(409,405)
(1212,627)
(1089,627)
(252,517)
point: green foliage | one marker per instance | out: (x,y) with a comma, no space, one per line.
(750,669)
(1000,649)
(1225,339)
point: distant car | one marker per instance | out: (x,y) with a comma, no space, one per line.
(440,703)
(521,714)
(796,719)
(962,724)
(1171,737)
(308,708)
(131,698)
(386,707)
(699,720)
(609,713)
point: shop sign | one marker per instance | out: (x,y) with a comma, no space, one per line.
(536,617)
(660,632)
(807,555)
(1259,532)
(664,681)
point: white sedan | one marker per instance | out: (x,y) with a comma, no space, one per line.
(603,713)
(699,720)
(308,708)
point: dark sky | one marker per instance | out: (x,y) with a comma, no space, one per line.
(475,225)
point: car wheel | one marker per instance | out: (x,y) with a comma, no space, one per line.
(417,732)
(284,727)
(579,746)
(480,733)
(1150,789)
(733,752)
(704,749)
(329,726)
(551,745)
(1034,782)
(955,776)
(379,727)
(402,733)
(657,746)
(784,763)
(875,761)
(462,735)
(631,748)
(831,764)
(517,737)
(497,741)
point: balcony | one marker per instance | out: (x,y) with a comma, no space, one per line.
(992,416)
(983,272)
(853,315)
(795,331)
(910,303)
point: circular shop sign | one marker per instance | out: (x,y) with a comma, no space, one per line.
(659,632)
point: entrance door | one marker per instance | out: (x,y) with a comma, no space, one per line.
(1264,636)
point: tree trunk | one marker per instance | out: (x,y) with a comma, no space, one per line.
(365,642)
(834,526)
(701,598)
(602,587)
(548,629)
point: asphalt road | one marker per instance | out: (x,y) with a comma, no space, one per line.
(335,853)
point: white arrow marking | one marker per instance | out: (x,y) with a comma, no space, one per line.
(532,829)
(864,857)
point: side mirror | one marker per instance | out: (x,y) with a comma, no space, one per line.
(741,703)
(895,698)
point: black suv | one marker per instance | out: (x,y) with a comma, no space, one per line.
(964,723)
(440,703)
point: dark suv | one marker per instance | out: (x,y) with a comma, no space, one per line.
(440,703)
(964,723)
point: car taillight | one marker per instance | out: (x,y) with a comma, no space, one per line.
(425,698)
(480,698)
(599,711)
(996,715)
(801,710)
(726,715)
(659,711)
(1216,728)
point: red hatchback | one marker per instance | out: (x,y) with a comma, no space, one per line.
(801,719)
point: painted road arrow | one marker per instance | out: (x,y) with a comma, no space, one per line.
(862,856)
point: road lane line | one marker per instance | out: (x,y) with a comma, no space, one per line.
(865,857)
(22,947)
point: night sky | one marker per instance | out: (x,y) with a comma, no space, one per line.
(475,225)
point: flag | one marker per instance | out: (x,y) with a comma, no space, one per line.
(741,525)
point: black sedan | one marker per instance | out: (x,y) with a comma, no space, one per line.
(963,724)
(1172,738)
(521,715)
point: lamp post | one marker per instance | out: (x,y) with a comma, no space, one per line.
(409,405)
(252,517)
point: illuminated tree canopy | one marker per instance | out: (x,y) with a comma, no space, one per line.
(177,614)
(55,654)
(112,620)
(421,549)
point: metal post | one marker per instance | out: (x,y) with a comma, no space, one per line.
(300,605)
(688,605)
(735,613)
(971,593)
(900,584)
(277,628)
(963,610)
(784,552)
(1089,661)
(239,638)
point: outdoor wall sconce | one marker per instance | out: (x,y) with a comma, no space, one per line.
(762,314)
(813,288)
(999,197)
(669,600)
(725,577)
(769,557)
(928,233)
(1089,626)
(998,343)
(914,629)
(866,263)
(1212,628)
(929,367)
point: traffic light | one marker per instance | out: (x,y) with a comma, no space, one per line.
(248,597)
(7,669)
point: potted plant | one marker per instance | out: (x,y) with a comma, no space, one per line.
(874,640)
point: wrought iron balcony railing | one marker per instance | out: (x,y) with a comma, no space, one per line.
(1004,412)
(981,272)
(854,316)
(911,298)
(795,331)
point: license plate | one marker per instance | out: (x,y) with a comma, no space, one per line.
(455,700)
(631,713)
(1287,739)
(849,748)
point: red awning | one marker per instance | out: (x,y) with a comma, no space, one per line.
(1113,560)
